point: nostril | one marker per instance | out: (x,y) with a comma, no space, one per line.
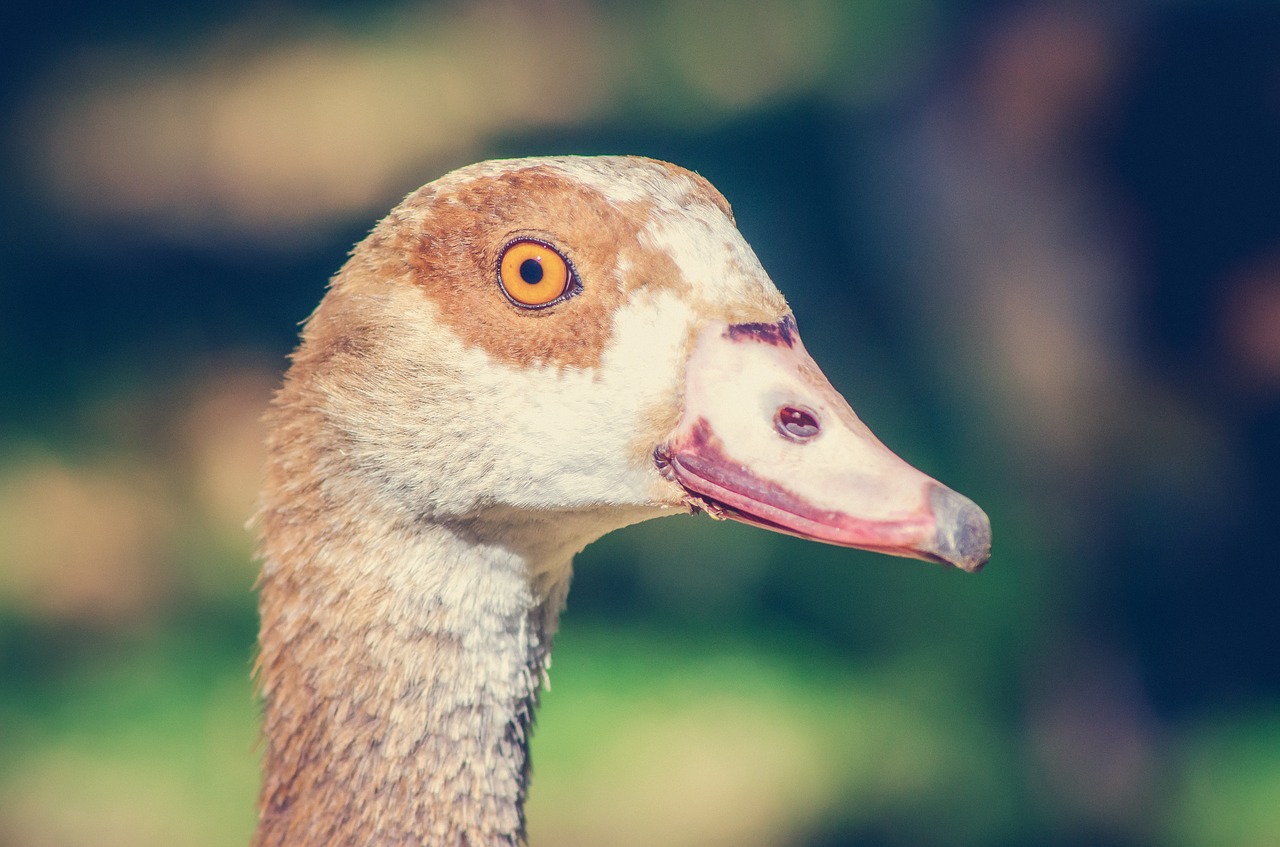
(796,424)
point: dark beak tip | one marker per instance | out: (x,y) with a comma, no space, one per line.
(963,534)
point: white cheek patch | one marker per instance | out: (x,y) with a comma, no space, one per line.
(563,438)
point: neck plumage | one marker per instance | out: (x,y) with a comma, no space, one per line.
(407,609)
(400,668)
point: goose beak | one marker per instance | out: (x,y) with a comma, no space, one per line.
(765,439)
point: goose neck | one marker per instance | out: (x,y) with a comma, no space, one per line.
(399,683)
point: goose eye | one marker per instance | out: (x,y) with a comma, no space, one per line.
(534,274)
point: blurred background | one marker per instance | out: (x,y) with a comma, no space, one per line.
(1036,244)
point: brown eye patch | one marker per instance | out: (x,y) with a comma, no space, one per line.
(449,240)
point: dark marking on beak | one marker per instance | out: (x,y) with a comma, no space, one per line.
(781,334)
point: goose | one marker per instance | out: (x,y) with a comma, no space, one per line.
(522,356)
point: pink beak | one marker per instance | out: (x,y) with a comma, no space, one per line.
(765,439)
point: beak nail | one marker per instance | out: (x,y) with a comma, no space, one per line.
(963,535)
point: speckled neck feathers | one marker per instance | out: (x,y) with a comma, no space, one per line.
(401,724)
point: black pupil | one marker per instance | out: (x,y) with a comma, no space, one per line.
(531,271)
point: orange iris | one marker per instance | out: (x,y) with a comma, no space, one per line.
(532,273)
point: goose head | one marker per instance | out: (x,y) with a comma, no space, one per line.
(544,350)
(523,356)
